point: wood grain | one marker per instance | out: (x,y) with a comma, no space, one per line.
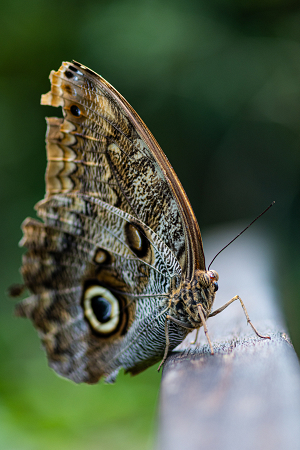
(246,396)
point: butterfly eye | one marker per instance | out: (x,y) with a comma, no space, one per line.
(101,309)
(215,284)
(213,275)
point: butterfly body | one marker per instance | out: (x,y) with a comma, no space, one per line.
(117,254)
(200,290)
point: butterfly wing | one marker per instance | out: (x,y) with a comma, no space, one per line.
(117,234)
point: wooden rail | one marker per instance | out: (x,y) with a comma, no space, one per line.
(246,396)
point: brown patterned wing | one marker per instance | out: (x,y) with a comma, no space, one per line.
(117,234)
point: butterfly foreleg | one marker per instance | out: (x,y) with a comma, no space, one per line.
(202,317)
(167,344)
(217,311)
(195,340)
(178,322)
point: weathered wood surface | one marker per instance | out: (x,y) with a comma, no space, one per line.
(246,396)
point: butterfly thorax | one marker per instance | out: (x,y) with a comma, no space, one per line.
(201,289)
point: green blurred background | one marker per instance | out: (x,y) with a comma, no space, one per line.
(218,84)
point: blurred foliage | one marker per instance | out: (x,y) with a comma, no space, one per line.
(218,83)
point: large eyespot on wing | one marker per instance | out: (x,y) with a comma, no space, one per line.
(103,310)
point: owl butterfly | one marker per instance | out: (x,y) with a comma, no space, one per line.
(116,265)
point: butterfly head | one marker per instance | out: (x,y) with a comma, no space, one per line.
(207,280)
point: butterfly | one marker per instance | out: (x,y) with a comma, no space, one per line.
(115,266)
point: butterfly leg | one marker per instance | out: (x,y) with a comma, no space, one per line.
(178,322)
(195,340)
(167,344)
(202,317)
(217,311)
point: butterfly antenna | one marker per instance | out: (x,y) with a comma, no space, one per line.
(241,232)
